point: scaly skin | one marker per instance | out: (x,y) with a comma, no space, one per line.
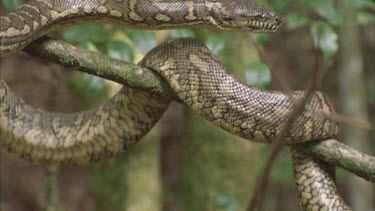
(315,184)
(81,138)
(39,17)
(193,73)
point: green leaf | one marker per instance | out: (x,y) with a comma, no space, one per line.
(258,74)
(144,40)
(325,38)
(261,38)
(225,202)
(120,50)
(90,46)
(365,18)
(177,33)
(82,33)
(326,8)
(11,5)
(294,21)
(89,83)
(362,4)
(368,4)
(215,43)
(91,89)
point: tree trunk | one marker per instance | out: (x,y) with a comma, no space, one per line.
(353,97)
(171,157)
(218,168)
(130,181)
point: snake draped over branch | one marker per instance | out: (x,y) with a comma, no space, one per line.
(193,73)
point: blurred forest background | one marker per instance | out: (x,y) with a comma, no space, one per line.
(185,163)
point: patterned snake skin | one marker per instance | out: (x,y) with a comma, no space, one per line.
(193,73)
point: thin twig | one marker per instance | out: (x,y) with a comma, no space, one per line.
(279,78)
(351,121)
(52,191)
(298,108)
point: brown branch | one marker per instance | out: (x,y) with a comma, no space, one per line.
(145,79)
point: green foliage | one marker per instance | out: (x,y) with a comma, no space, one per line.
(217,168)
(130,181)
(224,202)
(325,38)
(326,9)
(215,43)
(143,40)
(323,17)
(89,87)
(117,42)
(110,177)
(281,173)
(83,33)
(120,50)
(11,5)
(258,74)
(178,33)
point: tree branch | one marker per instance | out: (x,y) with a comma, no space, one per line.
(341,155)
(145,79)
(98,64)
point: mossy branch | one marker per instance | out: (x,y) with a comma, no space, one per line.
(98,64)
(145,79)
(341,155)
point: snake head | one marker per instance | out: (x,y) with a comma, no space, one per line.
(247,16)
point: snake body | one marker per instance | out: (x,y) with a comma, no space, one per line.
(193,73)
(39,17)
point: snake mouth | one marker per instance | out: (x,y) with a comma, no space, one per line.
(261,27)
(252,26)
(248,16)
(258,26)
(257,23)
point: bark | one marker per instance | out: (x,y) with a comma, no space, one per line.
(342,156)
(171,157)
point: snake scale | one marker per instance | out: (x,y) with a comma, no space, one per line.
(193,73)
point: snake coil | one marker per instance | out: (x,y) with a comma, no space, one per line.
(193,73)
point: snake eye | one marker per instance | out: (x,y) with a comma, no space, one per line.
(278,20)
(259,17)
